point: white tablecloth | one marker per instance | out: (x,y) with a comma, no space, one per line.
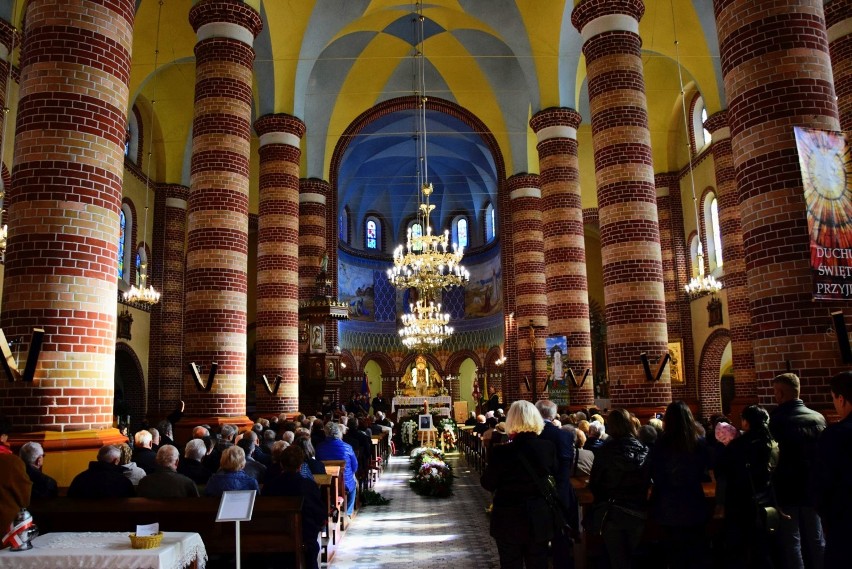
(106,550)
(442,402)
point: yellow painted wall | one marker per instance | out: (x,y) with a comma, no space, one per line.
(374,377)
(467,371)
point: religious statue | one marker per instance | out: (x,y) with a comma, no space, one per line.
(324,262)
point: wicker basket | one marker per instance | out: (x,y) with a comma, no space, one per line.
(146,542)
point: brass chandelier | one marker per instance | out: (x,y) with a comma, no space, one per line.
(427,263)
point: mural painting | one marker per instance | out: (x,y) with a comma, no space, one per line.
(484,293)
(355,288)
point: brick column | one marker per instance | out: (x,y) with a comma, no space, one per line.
(64,203)
(838,20)
(734,279)
(777,75)
(277,331)
(530,283)
(8,40)
(627,201)
(313,194)
(564,242)
(511,387)
(165,362)
(217,250)
(675,277)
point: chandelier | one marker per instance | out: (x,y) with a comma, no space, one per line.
(146,294)
(700,284)
(427,262)
(425,327)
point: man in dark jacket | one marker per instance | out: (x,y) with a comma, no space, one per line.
(835,475)
(143,454)
(103,479)
(379,404)
(796,429)
(562,547)
(191,466)
(44,486)
(165,481)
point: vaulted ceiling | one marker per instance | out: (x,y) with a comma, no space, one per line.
(329,61)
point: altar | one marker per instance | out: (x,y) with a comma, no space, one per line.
(440,405)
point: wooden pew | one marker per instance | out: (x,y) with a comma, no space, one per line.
(275,527)
(336,468)
(331,533)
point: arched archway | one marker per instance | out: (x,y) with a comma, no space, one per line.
(709,372)
(129,386)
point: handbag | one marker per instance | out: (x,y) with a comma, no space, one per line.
(547,487)
(767,518)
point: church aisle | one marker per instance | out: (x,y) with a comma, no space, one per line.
(413,531)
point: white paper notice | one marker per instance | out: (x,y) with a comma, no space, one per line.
(150,529)
(236,505)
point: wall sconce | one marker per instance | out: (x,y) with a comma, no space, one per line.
(196,375)
(10,366)
(269,388)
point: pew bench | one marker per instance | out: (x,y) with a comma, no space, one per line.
(275,527)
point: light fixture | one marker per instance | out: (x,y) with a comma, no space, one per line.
(146,294)
(501,360)
(427,262)
(425,327)
(700,284)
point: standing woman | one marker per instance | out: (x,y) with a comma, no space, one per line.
(619,483)
(743,483)
(521,521)
(679,463)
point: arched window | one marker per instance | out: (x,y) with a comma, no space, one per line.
(131,141)
(141,265)
(693,254)
(460,231)
(125,241)
(372,234)
(699,116)
(714,232)
(416,231)
(490,223)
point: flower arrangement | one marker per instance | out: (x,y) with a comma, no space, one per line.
(409,432)
(432,476)
(448,427)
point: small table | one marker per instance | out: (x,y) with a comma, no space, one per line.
(107,550)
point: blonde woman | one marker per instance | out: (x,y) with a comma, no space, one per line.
(231,475)
(521,521)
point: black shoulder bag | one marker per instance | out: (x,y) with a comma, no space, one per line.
(547,486)
(767,517)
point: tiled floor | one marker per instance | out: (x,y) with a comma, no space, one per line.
(414,532)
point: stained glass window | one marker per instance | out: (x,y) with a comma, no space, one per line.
(461,232)
(717,231)
(489,223)
(138,269)
(372,242)
(416,231)
(122,238)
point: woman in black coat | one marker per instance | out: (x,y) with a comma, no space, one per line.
(743,483)
(521,521)
(679,463)
(619,482)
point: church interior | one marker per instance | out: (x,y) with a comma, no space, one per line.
(257,163)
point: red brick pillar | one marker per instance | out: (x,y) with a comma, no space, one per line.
(838,20)
(9,39)
(313,194)
(627,200)
(511,387)
(63,204)
(777,75)
(564,242)
(734,279)
(165,362)
(530,283)
(217,250)
(277,343)
(675,277)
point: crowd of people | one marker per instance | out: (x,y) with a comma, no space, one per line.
(782,481)
(782,485)
(276,457)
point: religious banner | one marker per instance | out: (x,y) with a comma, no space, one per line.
(557,355)
(824,159)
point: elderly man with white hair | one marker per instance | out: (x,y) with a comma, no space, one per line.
(191,466)
(143,454)
(165,481)
(333,448)
(44,486)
